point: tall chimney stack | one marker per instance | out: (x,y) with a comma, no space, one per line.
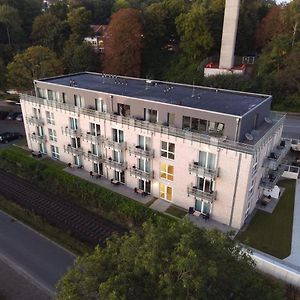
(230,25)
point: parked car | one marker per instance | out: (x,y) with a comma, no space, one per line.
(19,117)
(12,115)
(6,137)
(3,115)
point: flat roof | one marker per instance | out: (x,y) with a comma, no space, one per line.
(203,98)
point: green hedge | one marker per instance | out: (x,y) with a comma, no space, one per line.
(104,202)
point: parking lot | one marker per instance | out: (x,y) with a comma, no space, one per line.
(10,125)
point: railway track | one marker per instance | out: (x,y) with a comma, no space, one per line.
(68,216)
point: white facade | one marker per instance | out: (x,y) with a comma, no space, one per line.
(221,181)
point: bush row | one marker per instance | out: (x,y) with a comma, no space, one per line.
(86,194)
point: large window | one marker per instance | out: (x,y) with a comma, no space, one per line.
(144,142)
(100,105)
(95,149)
(194,124)
(124,110)
(120,176)
(75,142)
(73,123)
(95,129)
(205,185)
(54,152)
(203,206)
(118,156)
(145,185)
(78,101)
(41,93)
(144,165)
(50,117)
(52,135)
(167,150)
(150,115)
(165,192)
(207,160)
(118,135)
(167,171)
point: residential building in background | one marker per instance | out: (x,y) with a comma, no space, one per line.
(216,151)
(98,37)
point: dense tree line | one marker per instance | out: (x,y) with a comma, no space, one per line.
(168,40)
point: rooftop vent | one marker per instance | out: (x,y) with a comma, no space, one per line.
(268,120)
(249,136)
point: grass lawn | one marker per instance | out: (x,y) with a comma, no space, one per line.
(40,225)
(176,211)
(272,233)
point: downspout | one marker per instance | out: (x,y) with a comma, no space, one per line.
(237,129)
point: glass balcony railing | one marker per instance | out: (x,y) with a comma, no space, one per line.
(141,174)
(140,152)
(35,121)
(38,138)
(96,157)
(73,150)
(118,166)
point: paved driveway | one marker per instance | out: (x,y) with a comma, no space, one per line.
(34,255)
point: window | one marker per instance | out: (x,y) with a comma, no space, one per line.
(75,142)
(165,192)
(50,117)
(118,135)
(144,142)
(95,129)
(216,127)
(171,119)
(186,123)
(124,110)
(100,105)
(73,123)
(118,156)
(167,150)
(145,185)
(36,112)
(205,185)
(95,149)
(120,176)
(194,124)
(254,167)
(50,94)
(54,152)
(207,160)
(64,97)
(41,93)
(42,148)
(52,135)
(78,100)
(150,115)
(166,171)
(203,206)
(77,160)
(40,130)
(251,189)
(144,165)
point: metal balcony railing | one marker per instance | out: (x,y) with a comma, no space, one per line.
(35,121)
(271,179)
(96,139)
(73,150)
(208,196)
(38,138)
(71,132)
(96,157)
(202,171)
(222,142)
(141,174)
(115,145)
(137,151)
(118,166)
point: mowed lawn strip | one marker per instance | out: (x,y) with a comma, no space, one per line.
(272,233)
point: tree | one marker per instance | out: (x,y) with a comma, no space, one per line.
(79,57)
(49,31)
(2,74)
(79,20)
(123,46)
(59,10)
(10,20)
(36,62)
(195,37)
(175,261)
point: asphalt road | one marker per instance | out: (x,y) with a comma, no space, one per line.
(292,127)
(32,254)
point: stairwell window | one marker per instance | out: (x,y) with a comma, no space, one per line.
(167,150)
(167,171)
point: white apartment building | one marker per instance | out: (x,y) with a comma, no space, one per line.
(211,149)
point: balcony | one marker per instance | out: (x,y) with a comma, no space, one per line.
(96,157)
(35,121)
(208,196)
(202,171)
(72,132)
(269,181)
(115,145)
(38,138)
(73,150)
(95,139)
(277,123)
(118,166)
(278,154)
(141,174)
(138,151)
